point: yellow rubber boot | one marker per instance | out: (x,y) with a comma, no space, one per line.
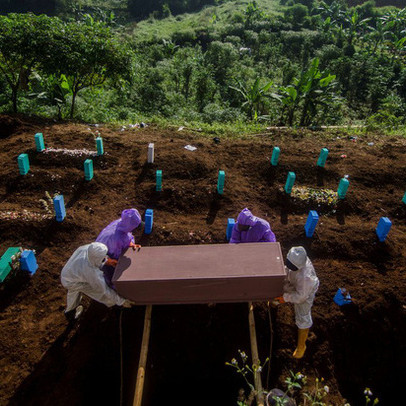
(301,342)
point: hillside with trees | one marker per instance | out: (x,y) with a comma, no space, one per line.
(307,63)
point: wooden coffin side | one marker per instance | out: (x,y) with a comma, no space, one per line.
(220,290)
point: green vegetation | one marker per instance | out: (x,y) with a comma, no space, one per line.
(228,65)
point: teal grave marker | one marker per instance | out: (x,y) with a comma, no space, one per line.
(322,157)
(220,182)
(23,164)
(88,169)
(99,146)
(275,156)
(289,182)
(158,181)
(39,142)
(6,262)
(342,188)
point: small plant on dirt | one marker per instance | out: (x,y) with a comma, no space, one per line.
(316,396)
(368,397)
(294,382)
(247,373)
(94,133)
(48,201)
(15,261)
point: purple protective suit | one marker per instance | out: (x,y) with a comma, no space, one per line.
(117,235)
(259,231)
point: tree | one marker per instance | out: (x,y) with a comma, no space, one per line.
(23,38)
(221,56)
(296,14)
(87,55)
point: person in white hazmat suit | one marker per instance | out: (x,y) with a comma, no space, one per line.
(300,288)
(82,274)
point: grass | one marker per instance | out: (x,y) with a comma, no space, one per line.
(249,129)
(152,29)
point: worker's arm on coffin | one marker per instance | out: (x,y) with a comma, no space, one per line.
(99,290)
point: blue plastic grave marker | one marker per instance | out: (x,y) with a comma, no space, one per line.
(230,226)
(289,182)
(404,198)
(220,182)
(275,156)
(342,297)
(39,142)
(28,262)
(99,146)
(88,169)
(158,180)
(342,188)
(322,157)
(23,164)
(383,228)
(59,206)
(311,223)
(149,221)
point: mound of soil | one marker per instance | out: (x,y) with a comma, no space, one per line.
(44,361)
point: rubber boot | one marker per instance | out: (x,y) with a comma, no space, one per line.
(301,342)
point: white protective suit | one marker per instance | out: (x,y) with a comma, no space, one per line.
(82,274)
(300,289)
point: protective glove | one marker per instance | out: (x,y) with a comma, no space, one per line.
(278,300)
(135,246)
(128,303)
(111,262)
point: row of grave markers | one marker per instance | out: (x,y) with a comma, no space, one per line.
(24,166)
(382,230)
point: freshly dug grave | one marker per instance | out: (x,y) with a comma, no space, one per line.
(362,345)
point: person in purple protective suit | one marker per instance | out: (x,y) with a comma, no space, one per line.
(117,237)
(249,228)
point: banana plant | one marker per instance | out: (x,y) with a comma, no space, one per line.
(254,95)
(311,89)
(51,89)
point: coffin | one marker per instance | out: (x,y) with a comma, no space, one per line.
(212,273)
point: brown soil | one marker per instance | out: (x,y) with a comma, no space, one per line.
(43,362)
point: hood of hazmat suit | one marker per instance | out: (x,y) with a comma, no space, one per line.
(298,256)
(96,252)
(259,231)
(82,274)
(117,235)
